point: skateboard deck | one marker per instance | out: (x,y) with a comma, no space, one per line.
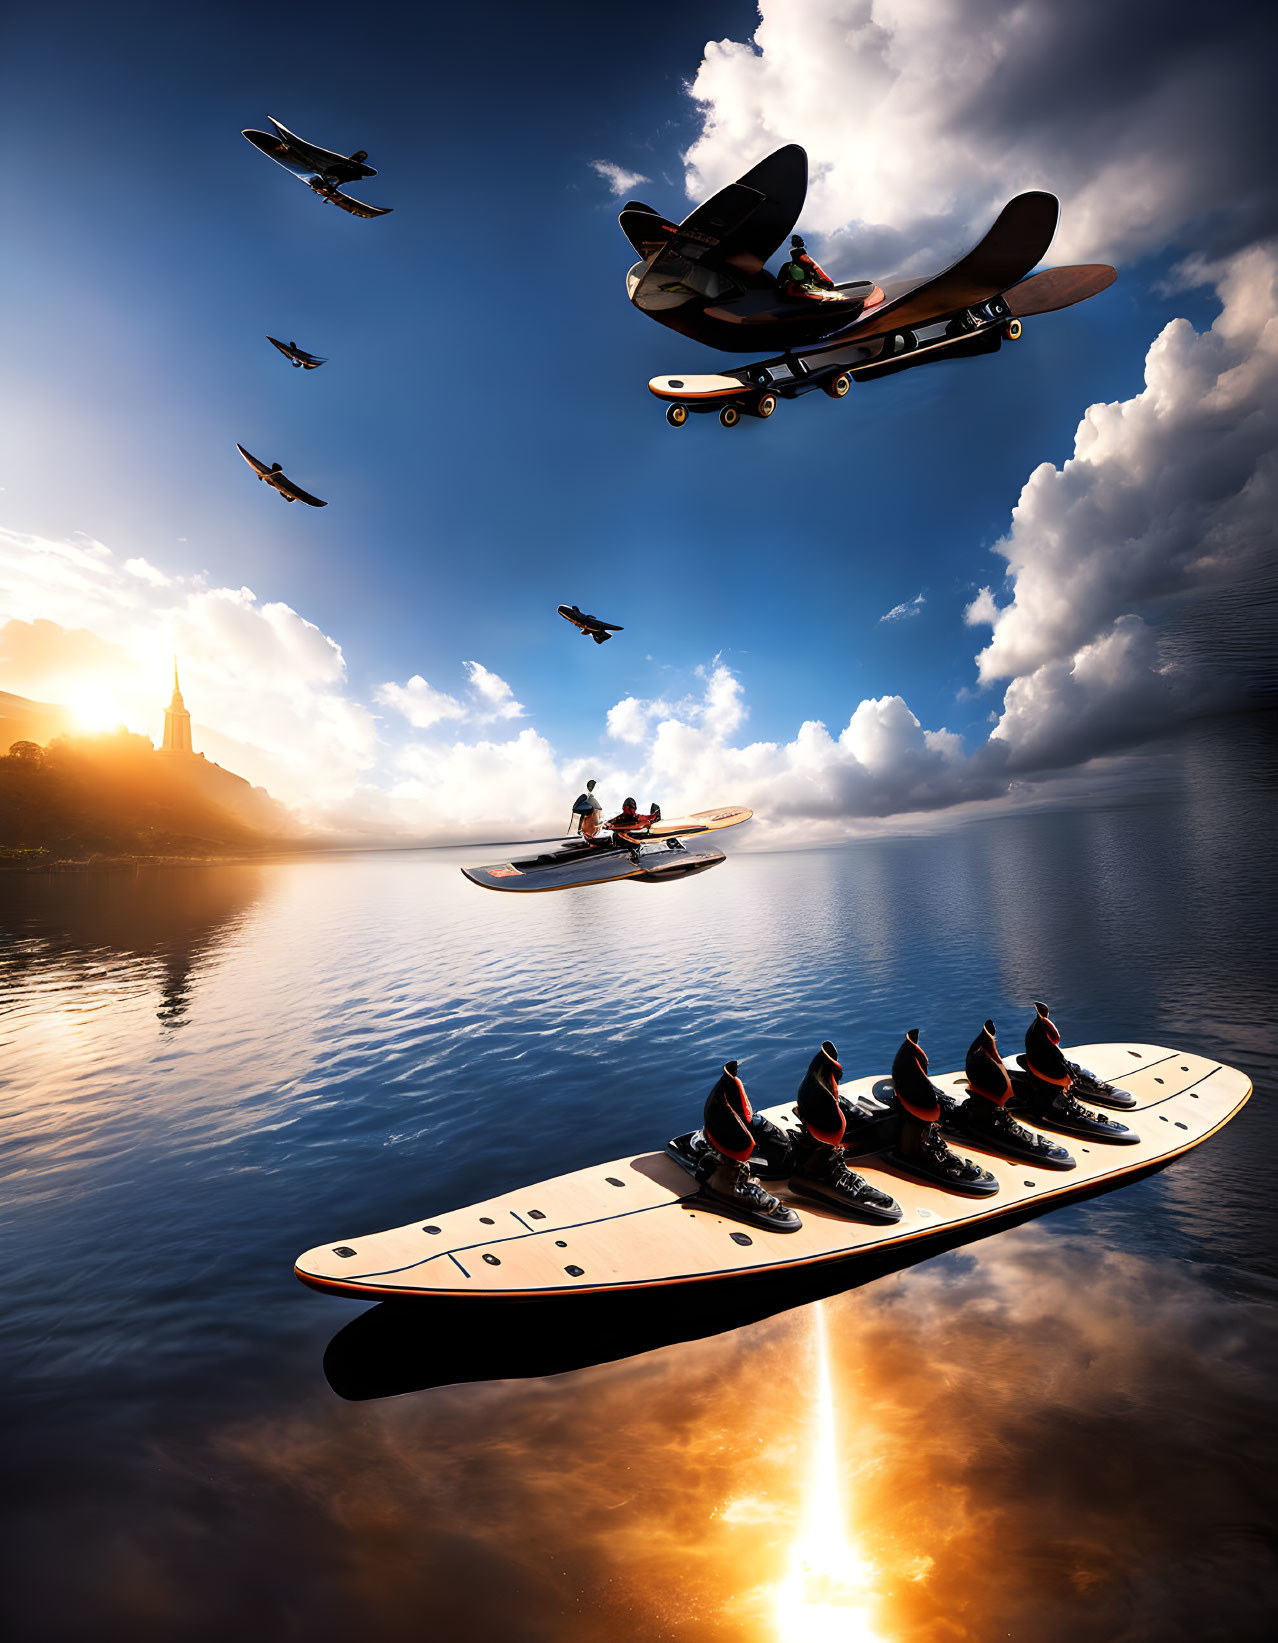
(1058,288)
(570,869)
(638,1223)
(1018,240)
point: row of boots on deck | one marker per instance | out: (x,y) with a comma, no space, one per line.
(735,1141)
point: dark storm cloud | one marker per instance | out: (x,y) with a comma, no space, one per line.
(1155,124)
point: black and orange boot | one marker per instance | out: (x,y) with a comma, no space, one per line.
(984,1117)
(1046,1088)
(920,1148)
(730,1189)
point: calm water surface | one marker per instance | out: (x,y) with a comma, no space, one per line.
(1063,1432)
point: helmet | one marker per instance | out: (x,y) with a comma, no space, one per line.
(590,786)
(629,804)
(796,242)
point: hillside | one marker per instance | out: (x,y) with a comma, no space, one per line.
(115,795)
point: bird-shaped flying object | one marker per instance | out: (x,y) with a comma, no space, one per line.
(319,168)
(278,480)
(296,356)
(591,627)
(705,277)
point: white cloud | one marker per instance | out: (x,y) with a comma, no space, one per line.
(266,688)
(146,572)
(421,704)
(495,698)
(489,698)
(983,611)
(907,608)
(619,180)
(922,117)
(1168,502)
(1167,494)
(628,721)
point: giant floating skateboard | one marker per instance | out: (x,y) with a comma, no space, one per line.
(576,862)
(705,278)
(638,1223)
(319,168)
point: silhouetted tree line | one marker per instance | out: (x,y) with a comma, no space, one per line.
(110,795)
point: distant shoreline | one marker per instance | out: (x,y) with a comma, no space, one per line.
(30,862)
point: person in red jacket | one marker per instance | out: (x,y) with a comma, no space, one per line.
(802,275)
(629,822)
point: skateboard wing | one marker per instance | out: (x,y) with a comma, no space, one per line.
(324,160)
(645,228)
(285,486)
(1019,238)
(744,223)
(259,468)
(334,196)
(1058,288)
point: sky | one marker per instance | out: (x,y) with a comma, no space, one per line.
(955,586)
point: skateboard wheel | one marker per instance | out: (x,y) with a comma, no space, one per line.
(729,416)
(765,405)
(1013,329)
(677,415)
(838,386)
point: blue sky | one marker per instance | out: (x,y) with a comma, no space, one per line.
(483,432)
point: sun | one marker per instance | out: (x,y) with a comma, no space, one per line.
(93,706)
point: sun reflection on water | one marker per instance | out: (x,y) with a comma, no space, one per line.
(826,1595)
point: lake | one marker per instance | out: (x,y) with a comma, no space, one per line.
(1064,1432)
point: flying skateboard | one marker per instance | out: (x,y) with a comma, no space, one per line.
(651,855)
(590,626)
(705,278)
(320,168)
(296,356)
(641,1224)
(279,481)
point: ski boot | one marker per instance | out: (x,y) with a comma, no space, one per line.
(994,1127)
(1092,1088)
(771,1159)
(984,1116)
(921,1151)
(1047,1092)
(731,1190)
(1056,1108)
(821,1171)
(1087,1084)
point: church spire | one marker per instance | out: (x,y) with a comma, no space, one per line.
(177,722)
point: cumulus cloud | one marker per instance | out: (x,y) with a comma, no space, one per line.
(921,117)
(907,608)
(495,695)
(720,709)
(619,180)
(147,572)
(489,698)
(421,704)
(267,687)
(1169,495)
(1096,637)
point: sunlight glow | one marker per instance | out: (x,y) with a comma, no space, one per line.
(93,707)
(826,1595)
